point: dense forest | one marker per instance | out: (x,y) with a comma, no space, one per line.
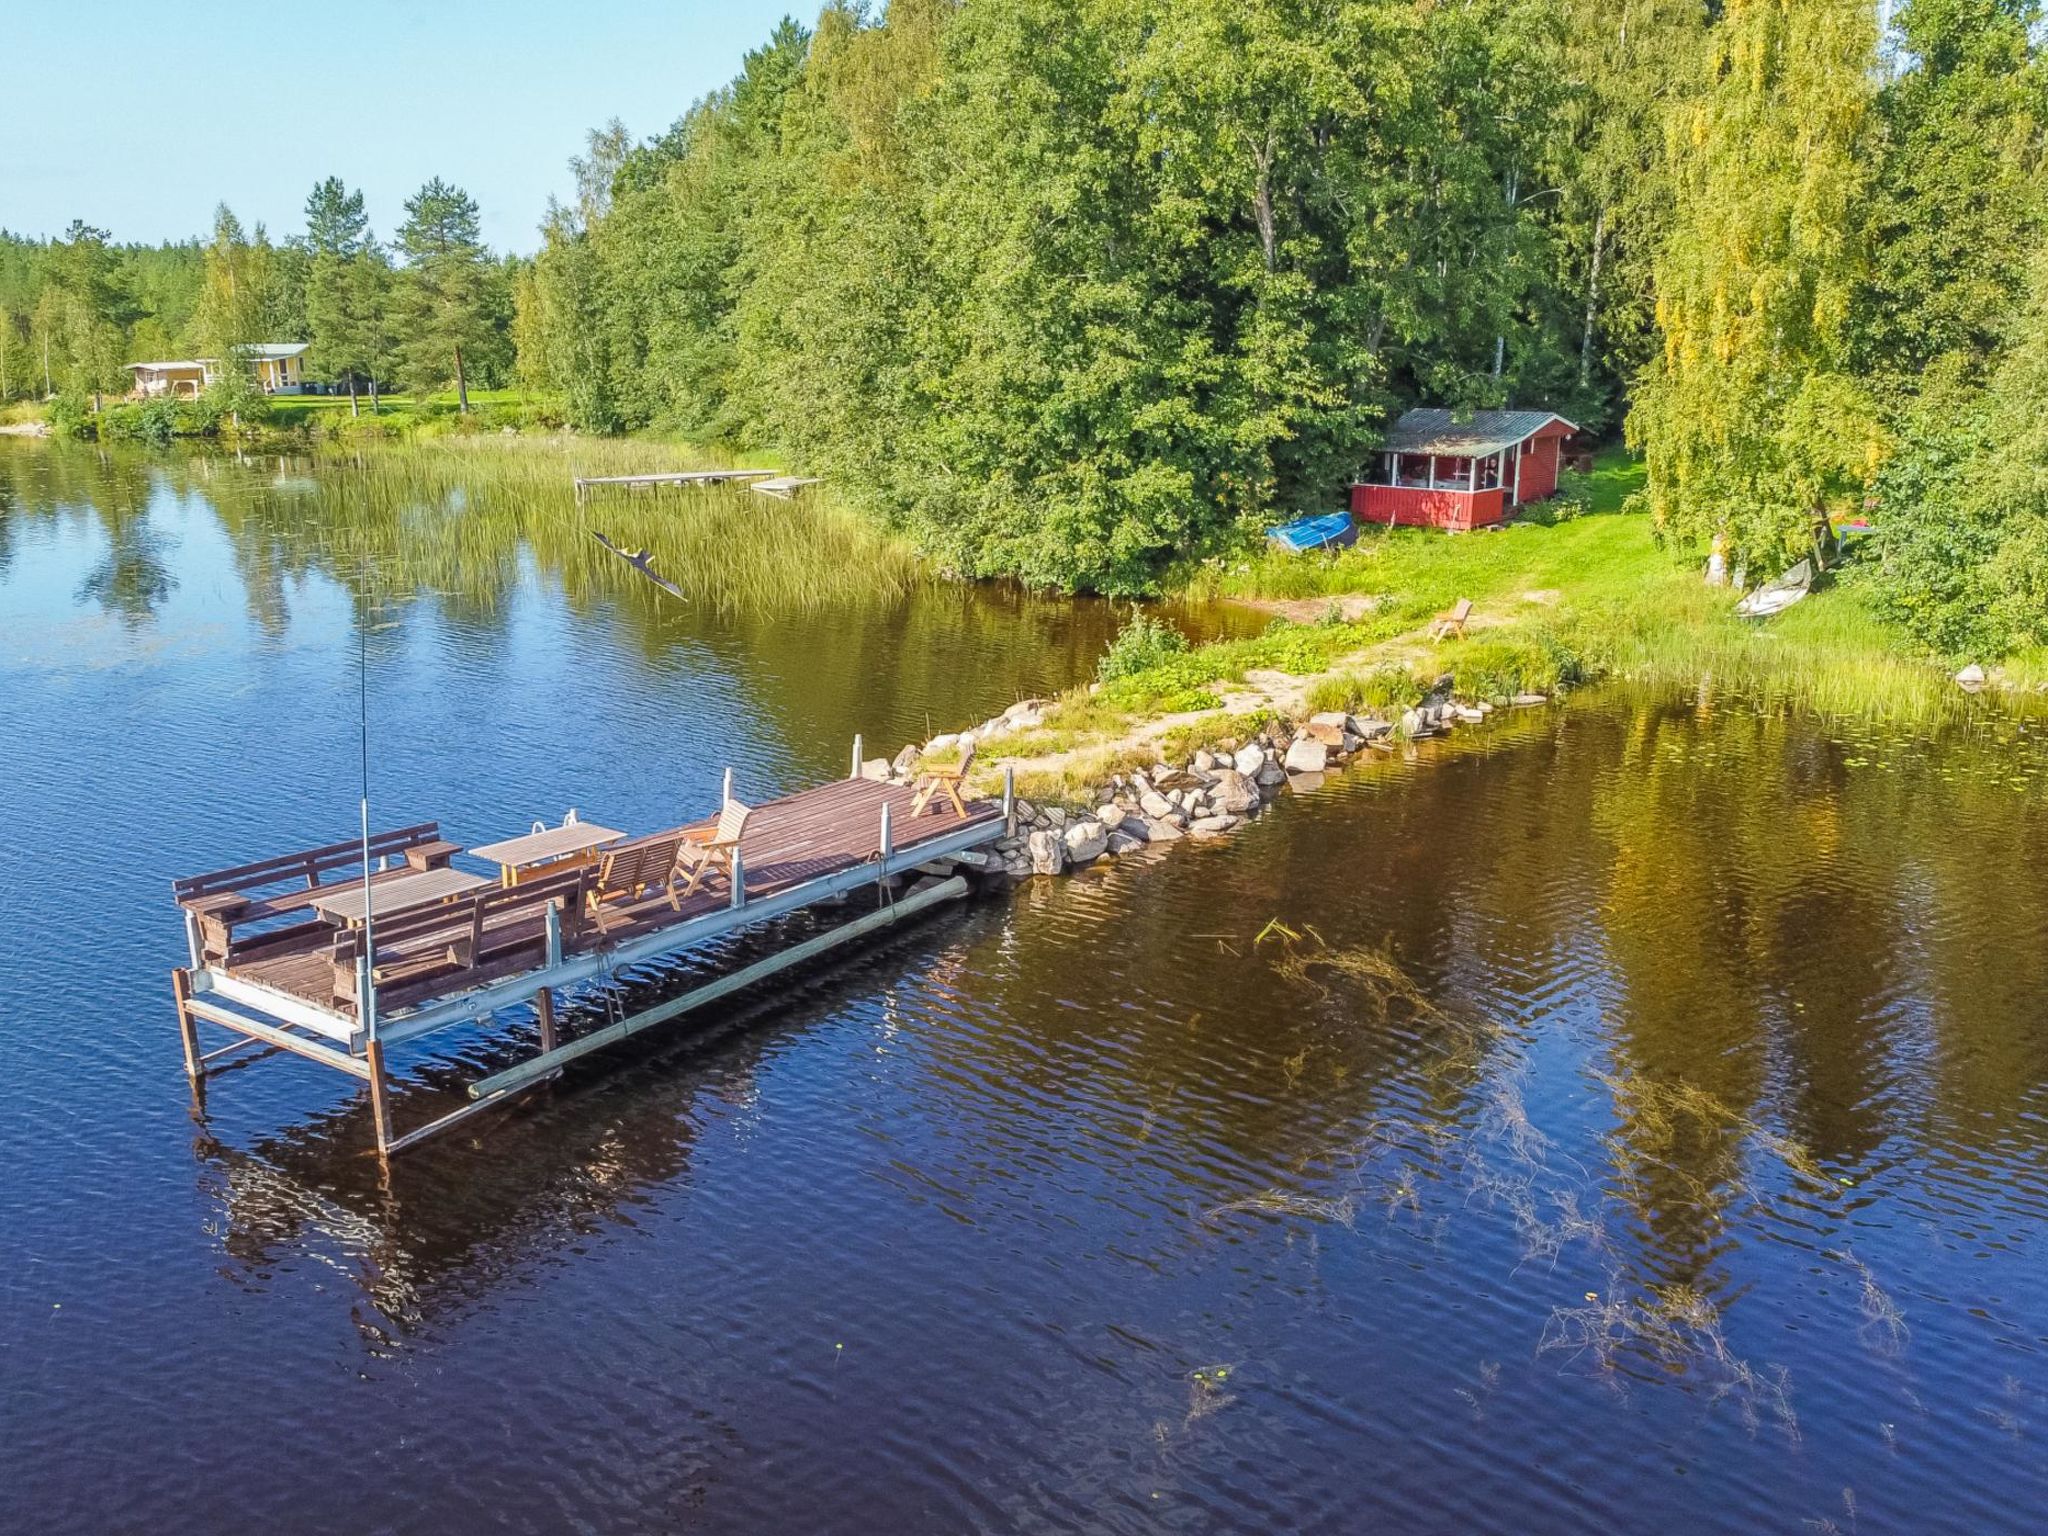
(1072,290)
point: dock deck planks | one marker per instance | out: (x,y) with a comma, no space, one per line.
(810,835)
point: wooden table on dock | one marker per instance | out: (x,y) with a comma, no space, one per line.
(545,851)
(345,905)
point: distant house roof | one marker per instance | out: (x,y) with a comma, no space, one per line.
(255,352)
(1479,432)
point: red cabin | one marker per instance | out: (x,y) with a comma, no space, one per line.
(1438,471)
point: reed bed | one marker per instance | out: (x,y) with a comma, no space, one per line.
(454,513)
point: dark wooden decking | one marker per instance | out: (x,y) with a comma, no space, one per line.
(803,837)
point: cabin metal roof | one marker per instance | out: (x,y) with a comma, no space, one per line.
(1427,430)
(255,352)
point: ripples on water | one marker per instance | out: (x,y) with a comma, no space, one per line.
(1637,1125)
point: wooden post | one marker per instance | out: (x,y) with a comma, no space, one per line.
(380,1102)
(1517,451)
(544,1000)
(195,941)
(856,756)
(181,989)
(739,879)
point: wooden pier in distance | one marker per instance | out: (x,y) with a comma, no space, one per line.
(313,954)
(585,484)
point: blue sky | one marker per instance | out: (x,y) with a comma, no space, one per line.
(142,115)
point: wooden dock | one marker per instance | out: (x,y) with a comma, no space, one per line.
(282,958)
(585,484)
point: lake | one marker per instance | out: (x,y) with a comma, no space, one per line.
(1625,1117)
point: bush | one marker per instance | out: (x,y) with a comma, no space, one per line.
(70,415)
(154,422)
(1139,646)
(1572,499)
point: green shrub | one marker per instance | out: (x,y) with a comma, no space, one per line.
(70,415)
(1139,646)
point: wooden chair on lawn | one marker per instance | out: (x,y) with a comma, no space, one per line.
(1451,623)
(706,849)
(945,781)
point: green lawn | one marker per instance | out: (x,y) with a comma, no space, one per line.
(293,410)
(1600,583)
(1604,553)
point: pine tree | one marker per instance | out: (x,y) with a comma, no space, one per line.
(445,293)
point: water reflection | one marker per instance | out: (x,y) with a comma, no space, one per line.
(1622,1117)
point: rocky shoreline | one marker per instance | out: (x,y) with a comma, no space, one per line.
(1216,791)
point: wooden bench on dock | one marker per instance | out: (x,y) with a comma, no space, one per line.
(463,943)
(243,897)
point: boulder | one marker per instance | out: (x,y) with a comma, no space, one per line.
(1048,853)
(1269,775)
(1370,730)
(1211,826)
(1154,804)
(1157,831)
(1469,715)
(1235,793)
(1303,783)
(944,742)
(1025,810)
(1328,728)
(905,761)
(1204,760)
(1972,678)
(1122,841)
(876,768)
(1529,700)
(1111,816)
(1412,723)
(1307,755)
(1086,839)
(1056,816)
(1250,758)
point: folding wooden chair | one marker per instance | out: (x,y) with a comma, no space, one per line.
(1451,623)
(945,781)
(705,849)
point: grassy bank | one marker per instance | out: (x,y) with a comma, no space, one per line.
(1558,601)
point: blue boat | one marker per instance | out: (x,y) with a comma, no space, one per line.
(1324,530)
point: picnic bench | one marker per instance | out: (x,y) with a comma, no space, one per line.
(225,904)
(480,936)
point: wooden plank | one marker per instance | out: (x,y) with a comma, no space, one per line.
(674,477)
(420,889)
(725,986)
(271,1034)
(181,990)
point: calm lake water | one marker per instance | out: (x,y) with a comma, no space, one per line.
(1633,1119)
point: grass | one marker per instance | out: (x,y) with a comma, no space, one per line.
(397,408)
(1602,597)
(451,514)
